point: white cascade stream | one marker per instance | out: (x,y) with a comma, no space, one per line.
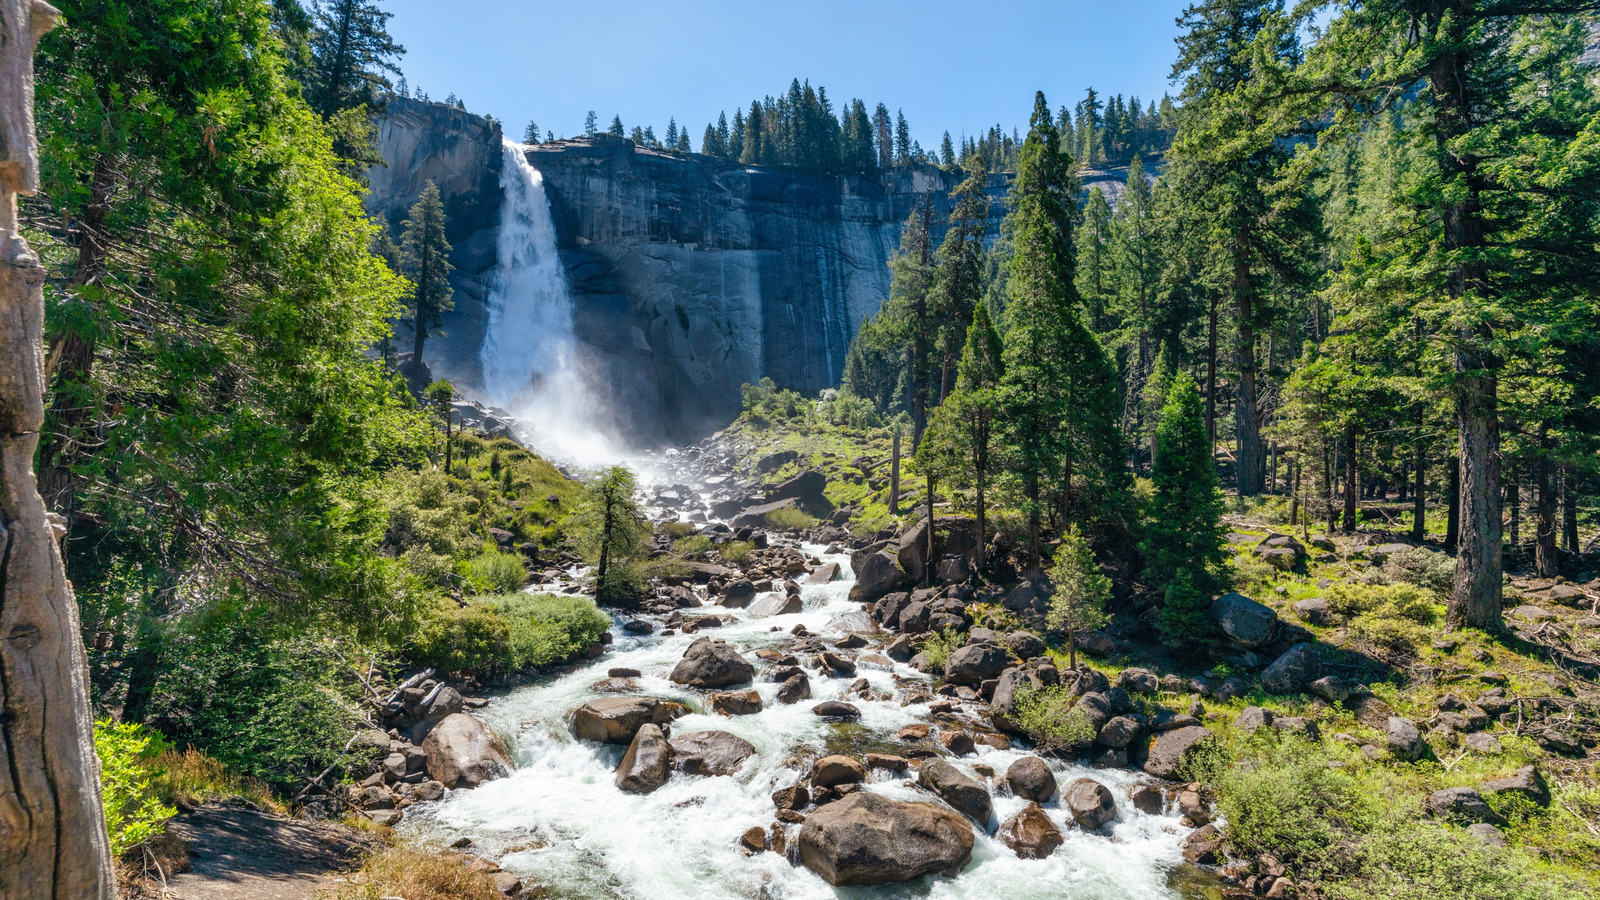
(530,357)
(560,822)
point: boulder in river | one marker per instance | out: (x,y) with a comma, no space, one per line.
(1090,803)
(877,574)
(736,703)
(777,605)
(794,689)
(958,790)
(1031,779)
(835,709)
(710,753)
(737,593)
(645,766)
(461,752)
(615,720)
(1030,834)
(831,771)
(867,838)
(712,664)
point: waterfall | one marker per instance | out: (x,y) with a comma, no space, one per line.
(530,357)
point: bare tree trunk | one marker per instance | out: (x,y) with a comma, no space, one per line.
(894,477)
(1211,374)
(1352,478)
(53,843)
(1419,495)
(1514,506)
(1452,525)
(1569,511)
(1544,554)
(1476,599)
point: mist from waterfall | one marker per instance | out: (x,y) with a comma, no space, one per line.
(530,356)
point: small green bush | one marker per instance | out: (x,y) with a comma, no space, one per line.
(789,517)
(692,545)
(1284,799)
(493,572)
(548,628)
(127,753)
(1393,617)
(474,638)
(737,551)
(676,530)
(1425,861)
(1052,719)
(936,651)
(1422,568)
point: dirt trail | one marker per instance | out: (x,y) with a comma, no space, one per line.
(236,853)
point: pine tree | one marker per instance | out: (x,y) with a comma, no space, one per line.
(611,528)
(736,137)
(1096,272)
(710,143)
(683,142)
(1079,591)
(902,140)
(649,136)
(754,139)
(426,257)
(882,129)
(616,129)
(947,152)
(1184,547)
(672,133)
(530,135)
(959,280)
(350,52)
(960,444)
(590,124)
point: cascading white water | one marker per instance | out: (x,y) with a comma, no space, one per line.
(560,822)
(530,359)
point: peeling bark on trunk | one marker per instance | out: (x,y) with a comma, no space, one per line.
(1419,494)
(53,843)
(1352,478)
(1476,598)
(1546,559)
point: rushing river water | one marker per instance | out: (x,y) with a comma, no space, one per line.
(559,821)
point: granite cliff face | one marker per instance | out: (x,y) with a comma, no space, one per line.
(689,276)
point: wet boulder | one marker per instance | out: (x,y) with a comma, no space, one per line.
(736,703)
(615,720)
(710,753)
(832,771)
(737,593)
(777,605)
(647,763)
(806,488)
(1171,749)
(974,663)
(836,709)
(461,752)
(1246,622)
(1031,779)
(712,664)
(1090,803)
(1030,834)
(1003,704)
(867,838)
(794,689)
(958,790)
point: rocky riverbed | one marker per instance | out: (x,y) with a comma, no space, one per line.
(579,818)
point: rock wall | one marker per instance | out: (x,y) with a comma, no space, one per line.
(689,275)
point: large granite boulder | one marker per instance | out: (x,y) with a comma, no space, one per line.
(1527,783)
(712,664)
(1030,834)
(1171,749)
(807,488)
(878,574)
(1294,671)
(958,790)
(952,536)
(737,593)
(1459,804)
(1090,803)
(710,753)
(867,838)
(1245,622)
(756,516)
(461,752)
(975,663)
(647,763)
(1003,703)
(1404,739)
(615,720)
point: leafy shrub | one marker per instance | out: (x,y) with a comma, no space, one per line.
(937,649)
(789,517)
(193,778)
(692,545)
(737,551)
(474,638)
(676,530)
(764,402)
(1422,568)
(849,411)
(548,628)
(127,753)
(1424,861)
(1052,719)
(269,707)
(493,572)
(1285,800)
(1394,617)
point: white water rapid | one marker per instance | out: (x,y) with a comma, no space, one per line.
(531,363)
(560,822)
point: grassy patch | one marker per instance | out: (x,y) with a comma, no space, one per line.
(414,875)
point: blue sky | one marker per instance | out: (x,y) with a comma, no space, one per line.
(948,65)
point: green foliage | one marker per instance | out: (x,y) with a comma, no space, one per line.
(494,572)
(737,551)
(548,628)
(1425,861)
(790,517)
(1183,544)
(938,647)
(765,403)
(610,527)
(693,545)
(267,705)
(1053,720)
(1422,567)
(1079,590)
(1284,799)
(1396,618)
(473,638)
(133,812)
(425,259)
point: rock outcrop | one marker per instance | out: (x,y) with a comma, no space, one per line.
(461,752)
(867,838)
